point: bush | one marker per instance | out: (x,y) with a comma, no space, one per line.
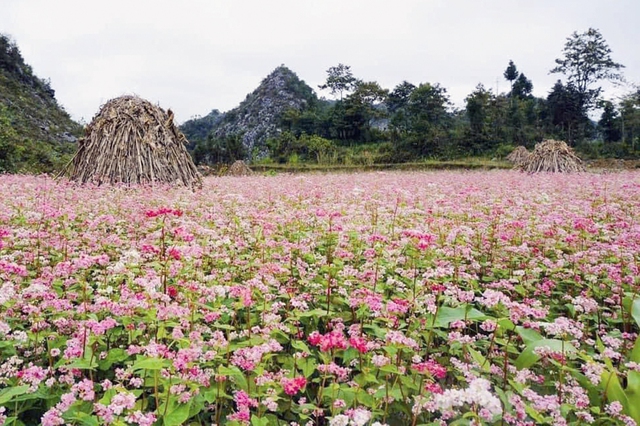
(503,150)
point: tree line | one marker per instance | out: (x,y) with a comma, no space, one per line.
(366,122)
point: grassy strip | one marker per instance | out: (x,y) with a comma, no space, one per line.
(471,164)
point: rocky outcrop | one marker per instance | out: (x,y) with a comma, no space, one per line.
(258,117)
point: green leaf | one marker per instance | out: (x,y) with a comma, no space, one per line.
(307,366)
(318,313)
(197,405)
(633,386)
(211,394)
(114,356)
(528,335)
(479,359)
(528,357)
(300,345)
(506,324)
(7,394)
(229,371)
(365,378)
(234,372)
(224,326)
(150,364)
(106,398)
(85,419)
(410,382)
(40,394)
(162,332)
(178,415)
(635,353)
(535,415)
(389,368)
(376,331)
(280,336)
(447,315)
(348,355)
(82,364)
(635,311)
(613,389)
(259,421)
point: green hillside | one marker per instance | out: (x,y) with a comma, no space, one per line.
(36,134)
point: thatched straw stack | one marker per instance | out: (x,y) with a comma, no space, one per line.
(552,156)
(239,168)
(132,141)
(518,156)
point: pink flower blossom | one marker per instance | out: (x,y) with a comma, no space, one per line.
(294,385)
(141,419)
(335,339)
(122,401)
(432,367)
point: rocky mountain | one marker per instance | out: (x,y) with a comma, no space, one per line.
(36,134)
(258,117)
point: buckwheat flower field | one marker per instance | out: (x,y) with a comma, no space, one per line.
(433,298)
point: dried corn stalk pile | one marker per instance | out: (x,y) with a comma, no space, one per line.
(239,168)
(552,156)
(518,156)
(132,141)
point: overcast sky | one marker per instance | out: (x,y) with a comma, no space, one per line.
(197,55)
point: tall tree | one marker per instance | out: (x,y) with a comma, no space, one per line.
(511,129)
(397,106)
(609,123)
(567,118)
(340,79)
(428,110)
(522,87)
(360,108)
(478,105)
(399,96)
(511,74)
(428,104)
(426,120)
(587,60)
(368,94)
(630,119)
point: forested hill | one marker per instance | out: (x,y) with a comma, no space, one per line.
(198,128)
(36,134)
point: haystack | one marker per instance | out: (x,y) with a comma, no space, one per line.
(132,141)
(239,168)
(552,156)
(518,156)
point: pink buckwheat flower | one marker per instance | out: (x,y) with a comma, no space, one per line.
(360,343)
(432,367)
(335,339)
(53,417)
(141,419)
(293,386)
(121,402)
